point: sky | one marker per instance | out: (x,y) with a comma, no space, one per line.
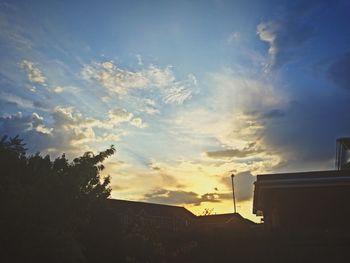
(189,92)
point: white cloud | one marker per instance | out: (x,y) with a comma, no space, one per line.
(114,79)
(234,96)
(58,89)
(232,126)
(67,88)
(34,74)
(148,106)
(137,122)
(66,129)
(160,78)
(181,91)
(121,81)
(19,123)
(267,32)
(177,95)
(117,116)
(242,91)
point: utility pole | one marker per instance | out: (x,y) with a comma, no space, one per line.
(233,194)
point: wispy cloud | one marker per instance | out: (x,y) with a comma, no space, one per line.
(34,74)
(122,81)
(12,33)
(16,100)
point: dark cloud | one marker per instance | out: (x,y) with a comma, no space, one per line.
(41,105)
(172,197)
(244,182)
(180,186)
(275,113)
(168,179)
(306,136)
(289,32)
(180,197)
(339,71)
(230,153)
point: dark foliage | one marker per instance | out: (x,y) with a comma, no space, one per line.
(46,206)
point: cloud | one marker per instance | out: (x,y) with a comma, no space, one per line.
(41,105)
(216,197)
(122,81)
(12,33)
(138,122)
(18,122)
(287,34)
(65,129)
(146,105)
(58,89)
(118,115)
(231,123)
(177,95)
(305,136)
(34,74)
(339,71)
(244,184)
(180,197)
(243,90)
(30,127)
(166,179)
(249,150)
(113,78)
(274,113)
(232,128)
(69,130)
(67,88)
(19,102)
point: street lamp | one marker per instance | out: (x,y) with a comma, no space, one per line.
(233,194)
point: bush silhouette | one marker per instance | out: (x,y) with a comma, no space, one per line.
(46,205)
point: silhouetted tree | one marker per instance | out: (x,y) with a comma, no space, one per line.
(45,205)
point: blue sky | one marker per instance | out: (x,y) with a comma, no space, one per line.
(188,91)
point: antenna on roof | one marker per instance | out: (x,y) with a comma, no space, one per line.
(342,159)
(233,194)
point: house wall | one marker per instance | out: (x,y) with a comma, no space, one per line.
(321,209)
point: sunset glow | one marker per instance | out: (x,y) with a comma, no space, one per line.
(189,92)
